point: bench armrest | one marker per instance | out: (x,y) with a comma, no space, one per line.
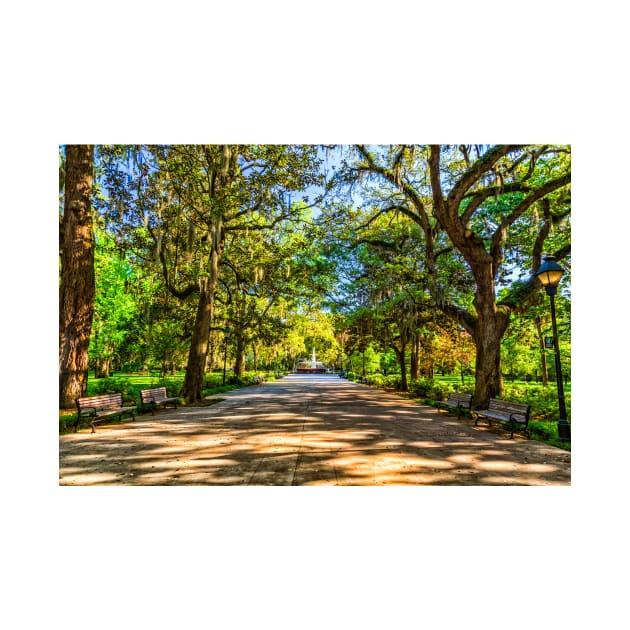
(518,417)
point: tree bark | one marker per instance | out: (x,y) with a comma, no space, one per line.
(102,368)
(192,389)
(492,323)
(77,287)
(401,356)
(239,362)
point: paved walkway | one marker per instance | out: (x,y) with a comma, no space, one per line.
(306,430)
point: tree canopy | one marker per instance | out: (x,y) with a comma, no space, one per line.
(422,255)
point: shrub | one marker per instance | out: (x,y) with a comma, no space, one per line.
(377,379)
(543,431)
(428,388)
(420,387)
(440,391)
(115,384)
(173,386)
(392,380)
(543,400)
(213,380)
(133,366)
(66,421)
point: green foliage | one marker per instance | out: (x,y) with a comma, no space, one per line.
(543,400)
(393,381)
(377,379)
(115,384)
(172,385)
(114,306)
(213,379)
(66,422)
(431,389)
(130,386)
(547,432)
(543,431)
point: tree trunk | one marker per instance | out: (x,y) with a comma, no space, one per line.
(401,356)
(414,359)
(239,363)
(491,326)
(192,389)
(77,288)
(102,368)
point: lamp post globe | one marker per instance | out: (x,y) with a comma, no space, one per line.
(549,274)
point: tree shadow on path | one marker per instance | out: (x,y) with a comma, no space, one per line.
(307,433)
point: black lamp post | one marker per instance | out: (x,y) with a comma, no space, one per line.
(549,275)
(227,330)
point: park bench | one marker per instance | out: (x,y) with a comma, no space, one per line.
(152,398)
(258,380)
(514,415)
(97,408)
(457,401)
(366,380)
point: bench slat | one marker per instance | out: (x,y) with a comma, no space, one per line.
(511,413)
(103,401)
(156,396)
(457,401)
(99,407)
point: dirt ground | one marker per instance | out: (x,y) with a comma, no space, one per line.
(306,430)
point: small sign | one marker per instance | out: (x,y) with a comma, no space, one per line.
(548,342)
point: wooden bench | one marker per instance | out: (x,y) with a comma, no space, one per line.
(457,401)
(514,415)
(258,380)
(97,408)
(154,397)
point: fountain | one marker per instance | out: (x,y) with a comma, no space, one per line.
(311,367)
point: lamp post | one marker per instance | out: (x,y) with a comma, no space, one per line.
(227,330)
(549,275)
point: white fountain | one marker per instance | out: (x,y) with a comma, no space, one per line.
(311,367)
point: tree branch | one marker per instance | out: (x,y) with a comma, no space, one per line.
(474,173)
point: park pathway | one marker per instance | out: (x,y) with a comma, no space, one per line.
(306,430)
